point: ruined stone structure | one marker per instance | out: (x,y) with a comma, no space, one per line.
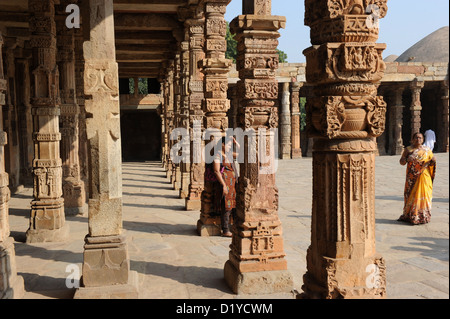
(73,71)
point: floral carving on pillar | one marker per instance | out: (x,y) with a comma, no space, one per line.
(215,105)
(257,261)
(344,117)
(47,222)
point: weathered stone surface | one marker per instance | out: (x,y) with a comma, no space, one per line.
(47,208)
(344,116)
(256,260)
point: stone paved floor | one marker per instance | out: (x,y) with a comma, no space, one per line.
(173,262)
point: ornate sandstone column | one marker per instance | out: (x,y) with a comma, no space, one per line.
(185,166)
(12,151)
(345,66)
(416,106)
(196,95)
(106,266)
(47,222)
(295,120)
(397,121)
(257,263)
(73,186)
(285,122)
(215,105)
(11,285)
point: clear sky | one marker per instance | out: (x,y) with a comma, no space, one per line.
(407,22)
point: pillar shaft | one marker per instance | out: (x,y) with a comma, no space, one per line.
(11,285)
(397,122)
(106,262)
(257,263)
(185,166)
(73,186)
(344,116)
(215,68)
(196,95)
(285,122)
(416,106)
(47,222)
(296,151)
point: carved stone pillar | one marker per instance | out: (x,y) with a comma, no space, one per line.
(25,121)
(80,98)
(73,186)
(215,104)
(285,122)
(47,222)
(416,106)
(11,285)
(257,263)
(185,166)
(397,121)
(345,65)
(10,118)
(196,95)
(170,118)
(444,140)
(176,171)
(106,265)
(296,151)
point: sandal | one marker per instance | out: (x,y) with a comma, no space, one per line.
(227,234)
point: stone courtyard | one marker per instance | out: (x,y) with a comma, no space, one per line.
(174,262)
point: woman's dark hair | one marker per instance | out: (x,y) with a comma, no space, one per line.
(415,134)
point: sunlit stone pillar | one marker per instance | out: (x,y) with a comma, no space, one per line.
(11,285)
(397,121)
(215,104)
(344,65)
(416,106)
(285,122)
(185,165)
(257,263)
(106,265)
(47,221)
(296,151)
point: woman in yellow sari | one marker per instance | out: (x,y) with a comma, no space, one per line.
(420,175)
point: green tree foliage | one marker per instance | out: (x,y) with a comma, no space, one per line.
(231,52)
(143,86)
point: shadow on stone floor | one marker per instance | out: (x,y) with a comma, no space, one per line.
(428,247)
(199,276)
(21,212)
(41,252)
(153,187)
(53,287)
(150,206)
(151,195)
(161,228)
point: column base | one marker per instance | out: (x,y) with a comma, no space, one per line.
(208,229)
(193,204)
(261,282)
(129,290)
(76,211)
(313,290)
(11,285)
(48,235)
(297,153)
